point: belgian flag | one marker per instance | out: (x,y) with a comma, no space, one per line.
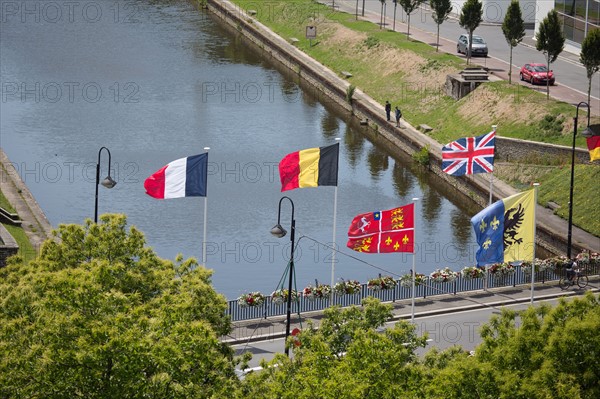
(312,167)
(593,144)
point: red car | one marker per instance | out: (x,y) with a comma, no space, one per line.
(536,73)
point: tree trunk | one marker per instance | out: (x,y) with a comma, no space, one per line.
(437,42)
(408,31)
(589,89)
(548,80)
(510,66)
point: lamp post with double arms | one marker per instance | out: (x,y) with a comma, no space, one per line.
(586,133)
(108,181)
(280,232)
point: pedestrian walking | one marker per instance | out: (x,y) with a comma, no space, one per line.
(388,110)
(398,116)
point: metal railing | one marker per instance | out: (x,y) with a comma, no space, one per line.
(399,292)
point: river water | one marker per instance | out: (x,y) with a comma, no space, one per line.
(158,81)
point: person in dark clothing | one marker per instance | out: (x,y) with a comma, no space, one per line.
(398,116)
(388,110)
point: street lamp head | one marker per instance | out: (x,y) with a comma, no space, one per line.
(278,231)
(108,182)
(591,130)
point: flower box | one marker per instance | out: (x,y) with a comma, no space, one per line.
(406,280)
(349,287)
(540,266)
(444,275)
(280,296)
(251,299)
(472,272)
(501,269)
(318,291)
(381,283)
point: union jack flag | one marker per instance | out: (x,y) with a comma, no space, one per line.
(469,155)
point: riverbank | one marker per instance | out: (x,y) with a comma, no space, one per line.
(35,224)
(552,230)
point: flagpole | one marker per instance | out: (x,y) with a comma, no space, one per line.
(335,195)
(412,312)
(205,217)
(535,187)
(492,174)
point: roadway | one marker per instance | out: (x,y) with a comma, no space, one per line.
(448,319)
(571,80)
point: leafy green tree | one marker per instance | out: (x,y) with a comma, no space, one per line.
(346,357)
(409,6)
(550,40)
(441,11)
(513,28)
(551,354)
(470,17)
(99,315)
(590,56)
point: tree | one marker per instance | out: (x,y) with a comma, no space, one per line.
(99,315)
(395,6)
(409,6)
(441,12)
(513,28)
(346,357)
(590,56)
(382,18)
(550,40)
(470,17)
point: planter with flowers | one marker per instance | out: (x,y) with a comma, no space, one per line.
(444,275)
(381,283)
(318,291)
(472,272)
(280,296)
(251,299)
(349,287)
(501,271)
(406,280)
(586,258)
(540,266)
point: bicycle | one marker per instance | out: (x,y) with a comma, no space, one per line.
(577,277)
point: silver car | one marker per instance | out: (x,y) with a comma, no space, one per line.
(479,46)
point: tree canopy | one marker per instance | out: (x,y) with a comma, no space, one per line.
(550,40)
(513,28)
(441,10)
(590,56)
(542,352)
(99,315)
(470,17)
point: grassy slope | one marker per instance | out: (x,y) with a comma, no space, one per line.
(517,109)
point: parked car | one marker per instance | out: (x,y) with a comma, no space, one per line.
(536,73)
(479,46)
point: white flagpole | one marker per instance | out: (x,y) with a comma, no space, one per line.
(492,174)
(535,186)
(205,217)
(412,312)
(335,193)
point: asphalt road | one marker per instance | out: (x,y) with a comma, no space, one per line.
(568,70)
(445,330)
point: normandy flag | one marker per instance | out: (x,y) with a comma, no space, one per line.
(505,230)
(312,167)
(387,231)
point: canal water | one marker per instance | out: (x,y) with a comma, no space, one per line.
(157,81)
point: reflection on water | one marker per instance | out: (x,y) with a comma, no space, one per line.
(378,162)
(403,180)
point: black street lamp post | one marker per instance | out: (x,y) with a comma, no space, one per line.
(108,182)
(280,232)
(586,133)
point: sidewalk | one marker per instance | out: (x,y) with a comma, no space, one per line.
(274,327)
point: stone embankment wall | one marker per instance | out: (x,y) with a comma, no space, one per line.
(330,86)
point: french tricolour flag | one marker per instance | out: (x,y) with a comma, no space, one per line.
(185,177)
